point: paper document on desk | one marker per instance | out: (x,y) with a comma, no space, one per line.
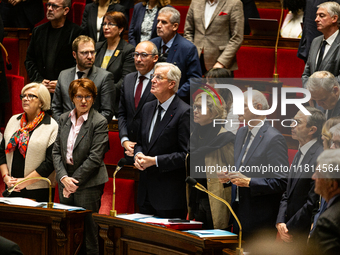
(212,233)
(65,207)
(20,201)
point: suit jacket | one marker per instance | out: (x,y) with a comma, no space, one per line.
(183,54)
(8,247)
(88,151)
(259,204)
(136,23)
(299,199)
(120,64)
(330,62)
(105,98)
(335,112)
(326,237)
(129,118)
(165,184)
(224,35)
(38,49)
(89,22)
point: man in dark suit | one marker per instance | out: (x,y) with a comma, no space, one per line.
(325,90)
(256,197)
(297,203)
(324,53)
(7,247)
(84,54)
(135,92)
(177,50)
(50,48)
(162,147)
(325,239)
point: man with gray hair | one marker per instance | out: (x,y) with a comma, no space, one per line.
(50,48)
(325,90)
(162,147)
(298,201)
(256,198)
(335,141)
(324,52)
(325,238)
(173,48)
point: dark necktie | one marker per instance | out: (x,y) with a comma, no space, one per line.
(158,120)
(139,91)
(164,48)
(240,157)
(80,74)
(296,160)
(322,50)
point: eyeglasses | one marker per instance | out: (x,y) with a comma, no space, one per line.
(157,77)
(197,108)
(86,53)
(54,6)
(142,55)
(28,97)
(336,144)
(80,98)
(110,25)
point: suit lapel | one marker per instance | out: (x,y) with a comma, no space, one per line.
(220,5)
(131,91)
(257,140)
(117,52)
(94,15)
(93,74)
(83,130)
(172,50)
(314,53)
(169,114)
(239,143)
(100,53)
(151,113)
(145,95)
(64,135)
(330,53)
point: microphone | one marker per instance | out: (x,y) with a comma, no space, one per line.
(195,184)
(8,191)
(120,165)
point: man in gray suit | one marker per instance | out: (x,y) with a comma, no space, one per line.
(84,52)
(324,54)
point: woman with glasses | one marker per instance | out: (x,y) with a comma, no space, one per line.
(210,145)
(78,156)
(93,17)
(26,150)
(115,54)
(143,26)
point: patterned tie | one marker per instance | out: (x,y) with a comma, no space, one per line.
(322,50)
(139,91)
(80,74)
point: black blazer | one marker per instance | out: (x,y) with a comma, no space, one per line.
(89,22)
(120,64)
(299,199)
(136,23)
(38,49)
(129,118)
(165,184)
(8,247)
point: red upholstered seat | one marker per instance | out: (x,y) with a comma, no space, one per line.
(183,10)
(291,155)
(77,12)
(116,151)
(125,197)
(272,13)
(12,47)
(255,62)
(15,84)
(289,65)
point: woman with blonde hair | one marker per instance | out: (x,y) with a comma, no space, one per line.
(26,150)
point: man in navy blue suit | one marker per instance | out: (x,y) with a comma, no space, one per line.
(256,200)
(294,219)
(177,50)
(162,147)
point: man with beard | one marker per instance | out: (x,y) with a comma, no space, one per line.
(84,54)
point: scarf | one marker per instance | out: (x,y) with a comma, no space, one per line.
(21,136)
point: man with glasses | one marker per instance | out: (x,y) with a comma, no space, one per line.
(135,92)
(162,147)
(84,53)
(50,51)
(175,49)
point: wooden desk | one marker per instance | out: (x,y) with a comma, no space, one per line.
(131,237)
(41,231)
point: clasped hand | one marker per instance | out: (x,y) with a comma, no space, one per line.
(70,186)
(235,178)
(142,162)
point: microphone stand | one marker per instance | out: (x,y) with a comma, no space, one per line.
(120,165)
(276,75)
(7,192)
(194,183)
